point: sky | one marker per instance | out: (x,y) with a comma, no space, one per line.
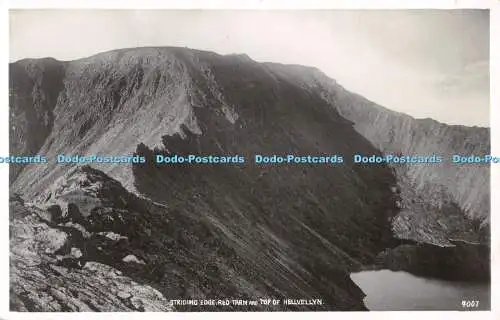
(426,63)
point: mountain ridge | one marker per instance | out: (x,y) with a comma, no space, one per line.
(311,68)
(302,229)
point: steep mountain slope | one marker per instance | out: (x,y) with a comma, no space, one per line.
(245,231)
(207,246)
(468,185)
(34,89)
(438,201)
(107,105)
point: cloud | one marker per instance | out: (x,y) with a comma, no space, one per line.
(421,62)
(473,79)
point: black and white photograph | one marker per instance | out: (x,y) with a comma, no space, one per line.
(217,160)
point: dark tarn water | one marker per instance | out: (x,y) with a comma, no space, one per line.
(396,291)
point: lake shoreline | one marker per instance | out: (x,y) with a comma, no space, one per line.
(387,290)
(409,272)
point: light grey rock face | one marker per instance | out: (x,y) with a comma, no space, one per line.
(439,201)
(435,195)
(95,287)
(132,258)
(105,104)
(468,185)
(43,281)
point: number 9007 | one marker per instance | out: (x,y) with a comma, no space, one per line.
(470,303)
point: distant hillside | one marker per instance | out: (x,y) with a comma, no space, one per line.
(432,195)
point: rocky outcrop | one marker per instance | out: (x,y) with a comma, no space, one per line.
(462,262)
(190,248)
(48,273)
